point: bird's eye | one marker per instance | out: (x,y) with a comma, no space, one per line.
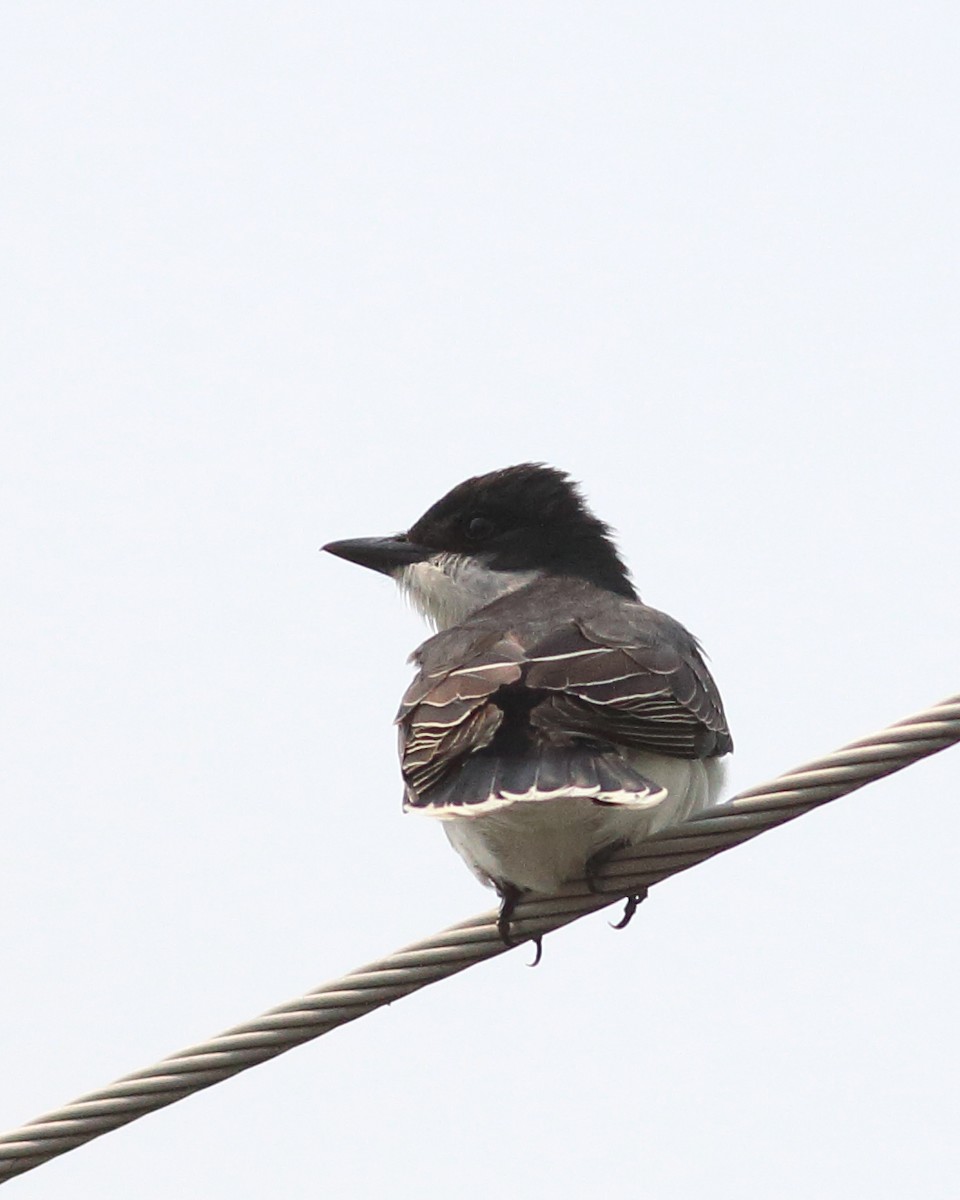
(479,528)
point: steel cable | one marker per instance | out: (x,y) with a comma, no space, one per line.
(674,849)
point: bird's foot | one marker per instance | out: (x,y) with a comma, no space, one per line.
(595,864)
(629,909)
(509,899)
(598,860)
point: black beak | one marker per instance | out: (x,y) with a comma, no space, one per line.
(389,554)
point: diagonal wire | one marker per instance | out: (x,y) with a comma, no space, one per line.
(674,849)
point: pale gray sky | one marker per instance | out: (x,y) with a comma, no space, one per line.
(279,274)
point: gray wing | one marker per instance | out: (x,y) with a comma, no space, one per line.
(637,680)
(493,715)
(448,713)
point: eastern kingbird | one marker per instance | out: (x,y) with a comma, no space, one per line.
(555,718)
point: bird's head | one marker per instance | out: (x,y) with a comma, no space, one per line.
(491,535)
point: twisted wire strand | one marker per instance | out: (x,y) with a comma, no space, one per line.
(452,950)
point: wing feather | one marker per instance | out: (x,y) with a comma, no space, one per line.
(633,679)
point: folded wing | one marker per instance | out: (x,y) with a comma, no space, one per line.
(495,719)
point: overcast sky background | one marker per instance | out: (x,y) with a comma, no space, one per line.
(277,274)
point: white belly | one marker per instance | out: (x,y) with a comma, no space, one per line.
(539,845)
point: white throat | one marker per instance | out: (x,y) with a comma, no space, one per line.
(448,588)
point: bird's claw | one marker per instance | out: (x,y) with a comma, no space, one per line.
(630,908)
(509,898)
(598,860)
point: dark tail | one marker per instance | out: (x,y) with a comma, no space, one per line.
(486,780)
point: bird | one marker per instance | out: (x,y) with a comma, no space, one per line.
(554,718)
